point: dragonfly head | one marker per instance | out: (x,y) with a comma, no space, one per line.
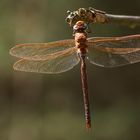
(82,14)
(80,26)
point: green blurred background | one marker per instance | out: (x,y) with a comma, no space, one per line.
(50,107)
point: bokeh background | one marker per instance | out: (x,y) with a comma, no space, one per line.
(50,107)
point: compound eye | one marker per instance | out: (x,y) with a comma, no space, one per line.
(82,10)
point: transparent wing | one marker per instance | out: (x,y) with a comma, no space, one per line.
(131,21)
(114,51)
(56,65)
(40,51)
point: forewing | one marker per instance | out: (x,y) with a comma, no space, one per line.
(40,51)
(114,51)
(56,65)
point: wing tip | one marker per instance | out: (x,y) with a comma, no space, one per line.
(11,51)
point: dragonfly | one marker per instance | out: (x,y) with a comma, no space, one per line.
(60,56)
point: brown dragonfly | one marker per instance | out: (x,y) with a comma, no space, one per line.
(61,56)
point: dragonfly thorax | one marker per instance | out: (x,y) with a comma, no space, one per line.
(81,43)
(80,36)
(80,40)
